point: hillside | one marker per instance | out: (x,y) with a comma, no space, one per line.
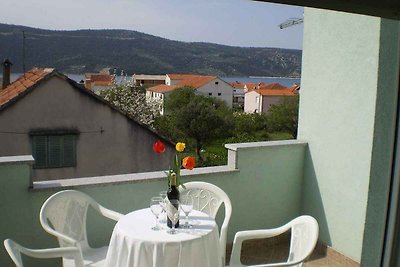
(91,50)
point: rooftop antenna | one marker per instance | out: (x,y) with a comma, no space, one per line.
(23,52)
(291,22)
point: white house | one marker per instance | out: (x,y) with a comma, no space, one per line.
(239,90)
(205,85)
(261,100)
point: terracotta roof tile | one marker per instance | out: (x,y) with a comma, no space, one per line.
(162,88)
(251,86)
(24,82)
(272,86)
(95,77)
(194,81)
(276,92)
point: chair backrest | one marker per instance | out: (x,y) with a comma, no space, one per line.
(208,199)
(304,237)
(65,212)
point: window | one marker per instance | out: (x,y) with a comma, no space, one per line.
(216,82)
(219,93)
(209,93)
(54,151)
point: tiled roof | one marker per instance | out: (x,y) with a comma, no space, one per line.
(23,83)
(194,81)
(276,92)
(103,83)
(272,86)
(95,77)
(162,88)
(237,85)
(251,86)
(174,76)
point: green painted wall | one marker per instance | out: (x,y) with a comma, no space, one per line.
(265,192)
(343,95)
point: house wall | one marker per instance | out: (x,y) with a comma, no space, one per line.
(251,104)
(268,101)
(347,109)
(123,147)
(223,88)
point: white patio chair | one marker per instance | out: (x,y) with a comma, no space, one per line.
(15,250)
(208,199)
(64,216)
(304,235)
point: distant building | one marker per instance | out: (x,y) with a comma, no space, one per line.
(205,85)
(261,99)
(148,80)
(71,132)
(97,82)
(239,89)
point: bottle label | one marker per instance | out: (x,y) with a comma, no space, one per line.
(172,211)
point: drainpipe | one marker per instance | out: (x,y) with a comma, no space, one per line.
(6,72)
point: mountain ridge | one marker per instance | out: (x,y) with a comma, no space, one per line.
(87,50)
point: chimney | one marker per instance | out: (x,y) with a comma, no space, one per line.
(6,72)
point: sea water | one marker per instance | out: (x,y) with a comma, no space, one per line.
(250,79)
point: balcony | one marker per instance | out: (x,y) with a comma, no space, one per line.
(340,170)
(264,181)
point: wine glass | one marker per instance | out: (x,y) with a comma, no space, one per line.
(156,209)
(173,214)
(187,207)
(163,203)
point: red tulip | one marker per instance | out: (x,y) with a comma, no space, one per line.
(159,147)
(188,163)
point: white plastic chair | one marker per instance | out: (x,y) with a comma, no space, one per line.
(208,199)
(64,216)
(15,250)
(304,236)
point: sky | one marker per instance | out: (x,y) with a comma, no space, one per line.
(230,22)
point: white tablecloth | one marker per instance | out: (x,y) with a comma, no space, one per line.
(134,244)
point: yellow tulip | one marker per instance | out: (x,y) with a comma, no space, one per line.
(180,147)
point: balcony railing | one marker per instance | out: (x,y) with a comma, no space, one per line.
(263,180)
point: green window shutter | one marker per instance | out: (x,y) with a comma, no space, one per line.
(39,150)
(55,150)
(69,153)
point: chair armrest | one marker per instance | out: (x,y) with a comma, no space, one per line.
(253,234)
(113,215)
(14,250)
(59,235)
(73,252)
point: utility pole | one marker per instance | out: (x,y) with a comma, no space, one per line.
(23,52)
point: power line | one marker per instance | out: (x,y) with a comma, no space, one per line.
(49,132)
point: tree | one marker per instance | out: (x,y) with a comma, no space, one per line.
(194,116)
(284,116)
(132,101)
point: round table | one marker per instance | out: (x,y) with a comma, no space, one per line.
(134,244)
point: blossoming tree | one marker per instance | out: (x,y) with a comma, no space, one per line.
(132,100)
